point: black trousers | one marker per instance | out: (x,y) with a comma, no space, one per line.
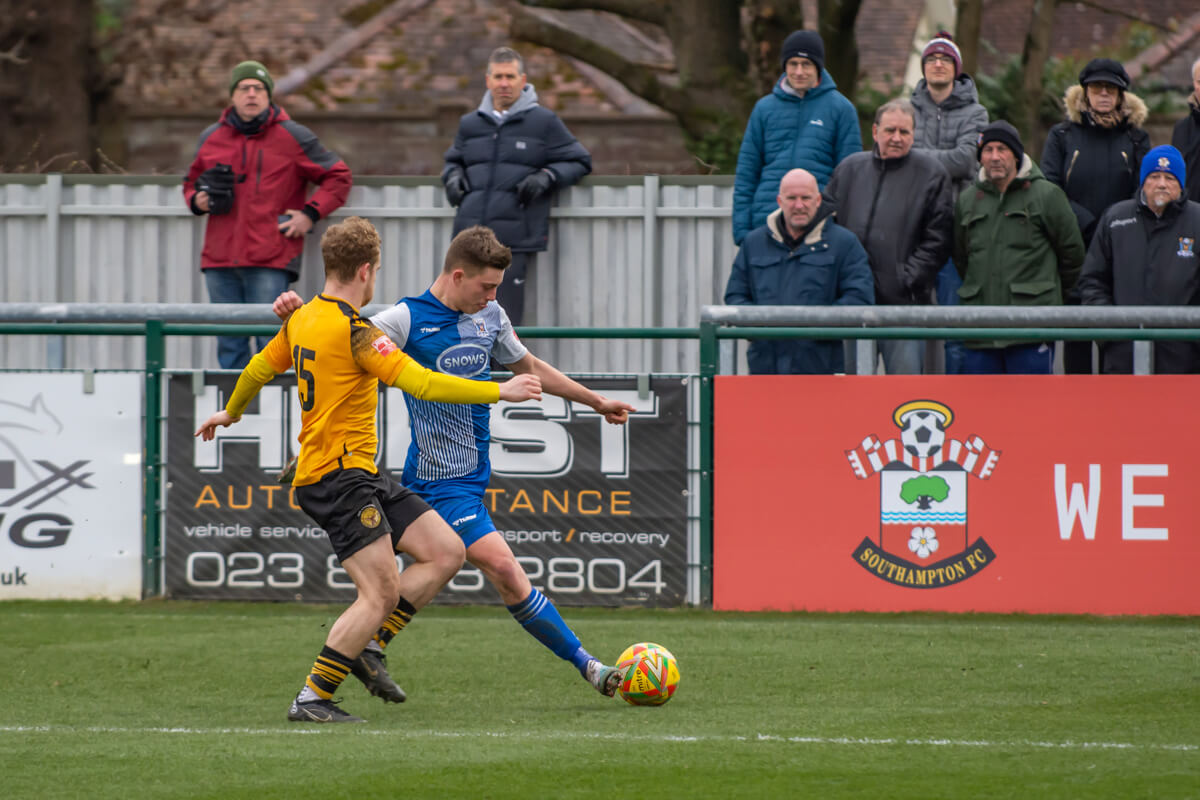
(511,294)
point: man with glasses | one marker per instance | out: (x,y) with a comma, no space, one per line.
(251,175)
(948,119)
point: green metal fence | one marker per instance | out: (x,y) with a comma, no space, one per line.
(719,325)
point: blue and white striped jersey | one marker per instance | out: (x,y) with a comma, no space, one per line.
(450,441)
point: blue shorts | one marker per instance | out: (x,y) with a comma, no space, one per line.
(461,508)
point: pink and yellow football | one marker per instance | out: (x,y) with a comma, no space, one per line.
(649,674)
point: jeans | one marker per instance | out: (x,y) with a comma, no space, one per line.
(948,283)
(1018,359)
(243,285)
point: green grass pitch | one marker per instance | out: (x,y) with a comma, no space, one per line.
(187,700)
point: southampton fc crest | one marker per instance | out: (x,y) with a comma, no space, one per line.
(923,541)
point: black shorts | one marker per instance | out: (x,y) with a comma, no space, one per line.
(356,507)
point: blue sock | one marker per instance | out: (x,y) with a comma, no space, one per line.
(541,620)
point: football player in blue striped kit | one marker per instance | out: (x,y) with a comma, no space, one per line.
(457,327)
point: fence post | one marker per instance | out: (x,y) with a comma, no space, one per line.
(708,371)
(56,357)
(650,270)
(152,460)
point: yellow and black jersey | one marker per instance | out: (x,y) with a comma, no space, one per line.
(338,357)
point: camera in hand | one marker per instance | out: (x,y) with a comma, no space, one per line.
(218,182)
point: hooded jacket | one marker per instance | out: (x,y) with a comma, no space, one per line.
(1140,259)
(785,132)
(1094,165)
(1186,139)
(273,167)
(902,211)
(827,267)
(1019,248)
(495,153)
(949,131)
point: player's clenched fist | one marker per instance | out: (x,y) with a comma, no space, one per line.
(521,387)
(285,304)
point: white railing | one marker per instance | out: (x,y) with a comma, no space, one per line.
(641,251)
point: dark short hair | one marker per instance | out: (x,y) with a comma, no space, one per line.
(506,55)
(348,245)
(474,249)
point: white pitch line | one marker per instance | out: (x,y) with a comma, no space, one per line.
(761,737)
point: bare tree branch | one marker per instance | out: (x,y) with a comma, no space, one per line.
(1153,57)
(626,101)
(639,79)
(655,11)
(206,11)
(13,53)
(1120,12)
(346,44)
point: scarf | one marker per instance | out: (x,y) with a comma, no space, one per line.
(1108,119)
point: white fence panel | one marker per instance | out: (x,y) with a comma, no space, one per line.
(624,252)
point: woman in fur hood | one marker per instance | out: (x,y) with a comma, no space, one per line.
(1096,154)
(1096,157)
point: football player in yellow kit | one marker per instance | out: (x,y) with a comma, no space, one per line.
(339,358)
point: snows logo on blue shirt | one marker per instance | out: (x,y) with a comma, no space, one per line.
(464,360)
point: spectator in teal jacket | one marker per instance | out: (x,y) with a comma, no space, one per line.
(804,123)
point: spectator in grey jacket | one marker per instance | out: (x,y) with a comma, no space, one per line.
(1144,253)
(509,158)
(898,202)
(949,119)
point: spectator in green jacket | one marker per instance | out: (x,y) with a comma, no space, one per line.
(1016,243)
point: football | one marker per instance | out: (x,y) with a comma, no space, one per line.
(649,674)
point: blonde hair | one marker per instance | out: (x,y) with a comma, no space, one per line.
(348,245)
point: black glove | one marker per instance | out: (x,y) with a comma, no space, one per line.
(218,182)
(456,186)
(534,185)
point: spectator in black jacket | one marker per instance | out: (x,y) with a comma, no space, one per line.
(1145,253)
(508,159)
(1186,137)
(899,203)
(1095,156)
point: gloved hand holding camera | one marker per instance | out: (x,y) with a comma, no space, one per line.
(218,182)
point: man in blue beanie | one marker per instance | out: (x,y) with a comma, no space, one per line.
(804,123)
(1144,253)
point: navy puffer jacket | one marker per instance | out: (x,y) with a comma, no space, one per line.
(496,153)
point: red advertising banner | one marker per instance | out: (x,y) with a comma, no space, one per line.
(994,493)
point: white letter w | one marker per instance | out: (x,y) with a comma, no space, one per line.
(1083,504)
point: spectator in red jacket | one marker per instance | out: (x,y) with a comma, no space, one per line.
(251,176)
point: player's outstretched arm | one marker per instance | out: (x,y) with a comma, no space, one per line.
(556,383)
(221,419)
(257,374)
(438,387)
